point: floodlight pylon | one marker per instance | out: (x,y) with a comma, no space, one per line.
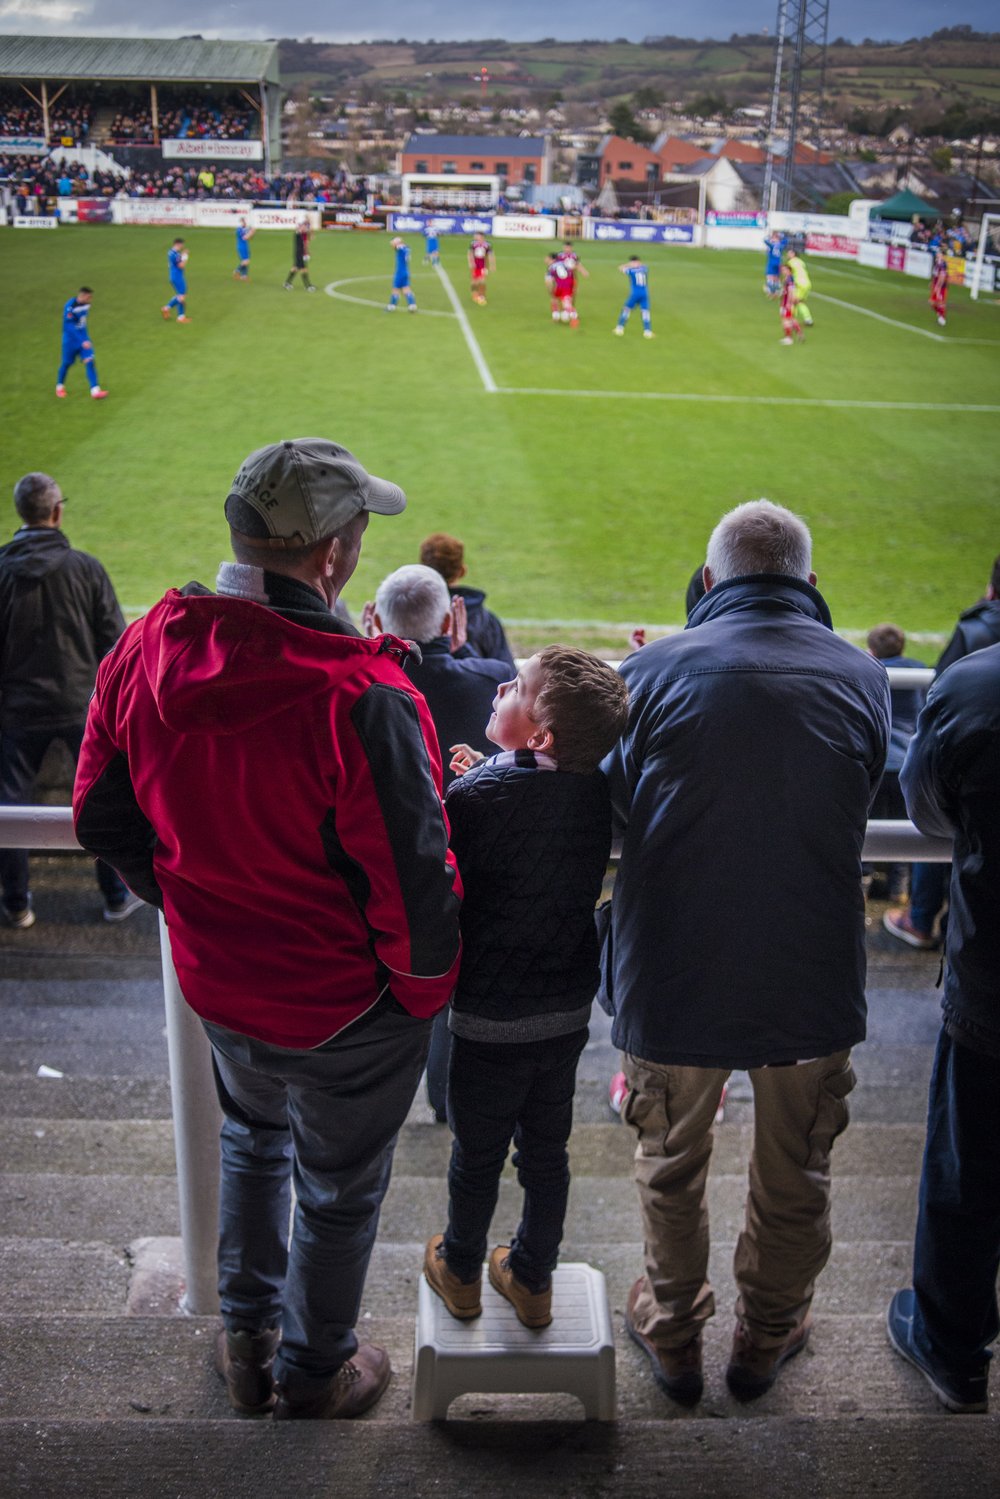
(796,95)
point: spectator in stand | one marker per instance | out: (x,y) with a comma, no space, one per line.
(58,618)
(976,629)
(887,644)
(315,971)
(754,724)
(413,603)
(951,780)
(485,634)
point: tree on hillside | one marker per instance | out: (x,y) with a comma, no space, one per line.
(624,123)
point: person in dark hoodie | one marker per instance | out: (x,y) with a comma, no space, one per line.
(484,632)
(531,829)
(755,744)
(271,781)
(58,617)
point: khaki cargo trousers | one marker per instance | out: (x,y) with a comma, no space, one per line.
(798,1113)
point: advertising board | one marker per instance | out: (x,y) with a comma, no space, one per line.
(23,145)
(628,231)
(37,221)
(217,150)
(444,223)
(523,226)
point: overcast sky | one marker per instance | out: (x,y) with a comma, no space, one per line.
(516,20)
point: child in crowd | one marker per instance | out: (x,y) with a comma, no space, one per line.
(531,831)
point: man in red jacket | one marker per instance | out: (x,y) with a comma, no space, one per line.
(271,781)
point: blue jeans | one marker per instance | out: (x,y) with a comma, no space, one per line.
(928,887)
(327,1120)
(497,1093)
(956,1254)
(21,754)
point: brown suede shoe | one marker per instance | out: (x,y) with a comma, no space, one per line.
(752,1370)
(533,1308)
(677,1371)
(244,1360)
(354,1389)
(463,1299)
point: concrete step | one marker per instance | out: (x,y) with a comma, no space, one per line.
(140,1147)
(43,1277)
(118,1209)
(105,1369)
(865,1457)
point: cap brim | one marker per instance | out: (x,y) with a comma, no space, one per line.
(382,497)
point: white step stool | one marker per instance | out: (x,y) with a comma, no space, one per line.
(494,1354)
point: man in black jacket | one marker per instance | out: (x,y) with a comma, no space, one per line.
(976,629)
(755,744)
(951,781)
(58,618)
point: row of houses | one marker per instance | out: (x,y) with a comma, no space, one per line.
(671,170)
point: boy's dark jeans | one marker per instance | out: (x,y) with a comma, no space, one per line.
(497,1093)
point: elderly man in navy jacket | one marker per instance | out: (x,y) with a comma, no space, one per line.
(951,781)
(742,786)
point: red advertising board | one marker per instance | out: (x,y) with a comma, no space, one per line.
(896,258)
(93,211)
(831,244)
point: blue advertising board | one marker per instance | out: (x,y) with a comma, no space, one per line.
(640,232)
(444,223)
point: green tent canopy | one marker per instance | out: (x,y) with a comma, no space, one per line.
(904,206)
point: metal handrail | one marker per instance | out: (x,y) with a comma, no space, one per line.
(197,1117)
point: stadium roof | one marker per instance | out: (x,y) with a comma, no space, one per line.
(134,60)
(474,145)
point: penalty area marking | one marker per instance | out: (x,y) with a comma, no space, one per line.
(333,290)
(938,338)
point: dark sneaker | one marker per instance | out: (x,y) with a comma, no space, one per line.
(900,924)
(244,1360)
(121,910)
(752,1370)
(533,1308)
(964,1393)
(463,1299)
(354,1389)
(677,1371)
(21,918)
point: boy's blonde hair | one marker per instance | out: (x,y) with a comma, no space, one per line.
(585,705)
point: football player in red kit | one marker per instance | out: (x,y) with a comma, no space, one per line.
(939,287)
(561,284)
(481,262)
(789,322)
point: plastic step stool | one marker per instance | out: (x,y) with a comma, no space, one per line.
(494,1354)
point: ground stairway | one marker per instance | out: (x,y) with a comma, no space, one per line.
(100,125)
(105,1391)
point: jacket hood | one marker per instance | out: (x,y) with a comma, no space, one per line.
(222,665)
(769,591)
(35,552)
(474,598)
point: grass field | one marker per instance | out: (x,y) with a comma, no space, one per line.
(583,471)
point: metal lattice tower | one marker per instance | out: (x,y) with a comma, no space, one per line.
(797,95)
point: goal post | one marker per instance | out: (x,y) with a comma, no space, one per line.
(978,277)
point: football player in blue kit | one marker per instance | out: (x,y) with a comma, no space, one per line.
(176,262)
(77,343)
(638,295)
(401,278)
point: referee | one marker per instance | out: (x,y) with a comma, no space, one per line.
(300,256)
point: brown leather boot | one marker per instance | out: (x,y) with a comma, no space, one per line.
(677,1371)
(463,1299)
(244,1360)
(752,1370)
(354,1389)
(533,1308)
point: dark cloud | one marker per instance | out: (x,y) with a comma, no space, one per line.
(516,20)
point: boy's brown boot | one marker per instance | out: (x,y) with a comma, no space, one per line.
(463,1300)
(533,1308)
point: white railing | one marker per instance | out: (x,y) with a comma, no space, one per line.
(196,1114)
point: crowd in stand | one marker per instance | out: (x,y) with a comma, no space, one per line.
(36,178)
(69,116)
(184,119)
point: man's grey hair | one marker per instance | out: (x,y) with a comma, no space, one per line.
(35,498)
(759,537)
(412,602)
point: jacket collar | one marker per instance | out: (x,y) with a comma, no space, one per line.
(770,592)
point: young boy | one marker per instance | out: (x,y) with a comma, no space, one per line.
(531,831)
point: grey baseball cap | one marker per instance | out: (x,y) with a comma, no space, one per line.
(292,493)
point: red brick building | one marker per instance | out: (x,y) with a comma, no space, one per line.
(515,159)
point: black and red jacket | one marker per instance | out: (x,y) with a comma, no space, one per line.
(274,787)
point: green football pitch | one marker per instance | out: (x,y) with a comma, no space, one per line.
(583,471)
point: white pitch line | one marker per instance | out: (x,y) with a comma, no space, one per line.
(333,290)
(489,384)
(734,400)
(880,317)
